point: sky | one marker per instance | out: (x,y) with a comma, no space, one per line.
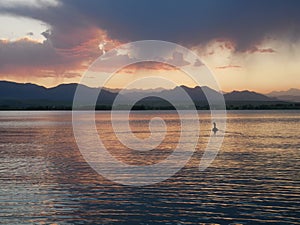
(252,45)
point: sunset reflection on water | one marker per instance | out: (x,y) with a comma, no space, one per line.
(254,179)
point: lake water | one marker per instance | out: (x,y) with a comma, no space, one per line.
(255,179)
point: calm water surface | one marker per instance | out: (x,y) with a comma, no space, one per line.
(255,178)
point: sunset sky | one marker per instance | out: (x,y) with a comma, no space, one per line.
(252,44)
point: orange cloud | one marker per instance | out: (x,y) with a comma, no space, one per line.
(115,59)
(226,44)
(60,55)
(229,67)
(147,66)
(260,50)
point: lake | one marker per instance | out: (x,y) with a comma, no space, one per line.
(255,178)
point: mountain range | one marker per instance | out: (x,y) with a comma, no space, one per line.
(292,95)
(30,96)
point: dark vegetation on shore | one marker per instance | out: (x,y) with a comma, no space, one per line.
(229,106)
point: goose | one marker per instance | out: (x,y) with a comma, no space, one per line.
(215,129)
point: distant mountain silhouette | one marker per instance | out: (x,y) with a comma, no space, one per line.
(24,96)
(19,91)
(65,92)
(292,95)
(197,94)
(135,90)
(247,96)
(175,94)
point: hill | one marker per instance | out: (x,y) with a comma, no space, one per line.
(292,95)
(17,96)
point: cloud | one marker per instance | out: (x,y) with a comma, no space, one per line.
(192,23)
(178,60)
(198,63)
(260,50)
(228,67)
(71,44)
(246,23)
(148,66)
(26,52)
(28,3)
(78,27)
(26,57)
(113,59)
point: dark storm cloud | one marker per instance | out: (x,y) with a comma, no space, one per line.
(187,22)
(191,22)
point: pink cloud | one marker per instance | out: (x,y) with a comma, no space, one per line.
(260,50)
(229,67)
(61,55)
